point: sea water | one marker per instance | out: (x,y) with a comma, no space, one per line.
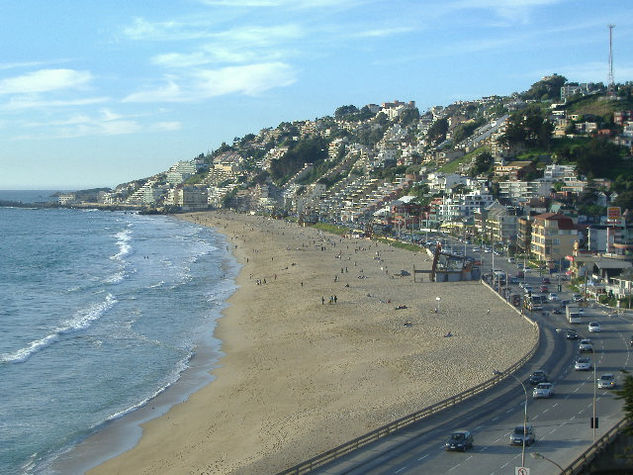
(99,313)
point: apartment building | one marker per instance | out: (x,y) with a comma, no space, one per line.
(553,237)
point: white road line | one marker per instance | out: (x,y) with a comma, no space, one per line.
(556,404)
(495,419)
(508,411)
(545,411)
(468,458)
(400,469)
(423,457)
(535,417)
(572,418)
(505,465)
(553,430)
(477,428)
(576,390)
(452,468)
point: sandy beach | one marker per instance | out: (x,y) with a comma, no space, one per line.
(318,352)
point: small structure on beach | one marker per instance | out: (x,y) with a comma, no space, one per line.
(448,267)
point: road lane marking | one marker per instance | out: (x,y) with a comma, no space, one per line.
(400,469)
(477,428)
(545,411)
(423,457)
(508,411)
(556,404)
(452,468)
(495,419)
(535,417)
(576,390)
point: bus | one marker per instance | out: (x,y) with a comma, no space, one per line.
(573,314)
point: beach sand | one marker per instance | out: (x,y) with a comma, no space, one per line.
(302,375)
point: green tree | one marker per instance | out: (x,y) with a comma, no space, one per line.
(437,131)
(344,112)
(547,89)
(625,393)
(484,164)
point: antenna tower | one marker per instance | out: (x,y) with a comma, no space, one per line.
(611,82)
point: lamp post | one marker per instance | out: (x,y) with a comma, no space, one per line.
(594,419)
(536,455)
(499,373)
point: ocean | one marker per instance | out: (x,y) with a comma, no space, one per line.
(101,312)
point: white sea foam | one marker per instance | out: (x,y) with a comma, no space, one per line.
(82,319)
(115,278)
(123,241)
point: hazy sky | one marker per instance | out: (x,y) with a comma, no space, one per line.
(98,92)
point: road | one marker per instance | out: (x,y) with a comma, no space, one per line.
(562,423)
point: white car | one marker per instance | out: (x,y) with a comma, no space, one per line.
(585,345)
(606,381)
(552,297)
(593,327)
(583,364)
(543,390)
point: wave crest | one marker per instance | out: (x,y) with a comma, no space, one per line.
(81,320)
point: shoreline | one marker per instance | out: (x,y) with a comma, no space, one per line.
(301,375)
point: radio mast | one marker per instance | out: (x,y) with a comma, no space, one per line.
(611,82)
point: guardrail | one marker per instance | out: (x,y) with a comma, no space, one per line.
(363,440)
(599,445)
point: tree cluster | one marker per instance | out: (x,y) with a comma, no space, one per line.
(529,128)
(547,89)
(307,150)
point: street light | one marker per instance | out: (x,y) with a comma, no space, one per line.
(499,373)
(594,419)
(536,455)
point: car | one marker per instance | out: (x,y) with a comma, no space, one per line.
(543,390)
(606,381)
(577,298)
(546,280)
(527,289)
(514,280)
(593,327)
(571,334)
(583,364)
(558,310)
(543,288)
(511,260)
(538,376)
(552,297)
(585,345)
(523,434)
(459,440)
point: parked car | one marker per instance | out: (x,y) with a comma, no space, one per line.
(583,364)
(523,433)
(552,297)
(593,327)
(543,390)
(606,381)
(459,440)
(558,310)
(585,345)
(577,298)
(538,376)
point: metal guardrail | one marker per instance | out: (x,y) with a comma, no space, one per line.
(363,440)
(598,446)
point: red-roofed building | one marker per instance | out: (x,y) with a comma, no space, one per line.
(553,237)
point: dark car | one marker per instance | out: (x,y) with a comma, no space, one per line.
(538,376)
(557,310)
(546,280)
(459,440)
(571,334)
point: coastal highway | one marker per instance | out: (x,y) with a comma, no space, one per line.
(562,423)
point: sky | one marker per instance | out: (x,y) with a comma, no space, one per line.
(94,93)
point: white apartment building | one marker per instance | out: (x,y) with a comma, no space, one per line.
(522,191)
(558,172)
